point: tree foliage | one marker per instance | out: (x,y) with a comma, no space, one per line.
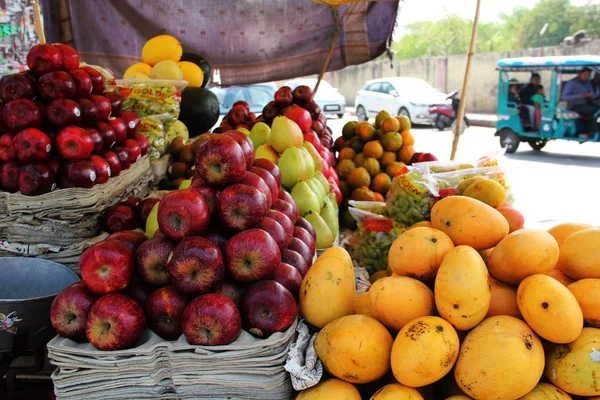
(516,30)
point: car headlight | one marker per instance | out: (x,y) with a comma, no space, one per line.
(419,104)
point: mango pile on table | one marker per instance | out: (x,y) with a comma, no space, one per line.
(467,310)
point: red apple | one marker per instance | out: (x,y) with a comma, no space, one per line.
(103,105)
(99,86)
(55,165)
(107,267)
(7,148)
(220,160)
(252,255)
(251,120)
(142,142)
(137,291)
(3,128)
(120,129)
(317,127)
(183,213)
(241,207)
(276,231)
(21,114)
(211,320)
(62,112)
(225,126)
(83,82)
(56,85)
(304,224)
(132,122)
(116,102)
(269,180)
(238,114)
(242,103)
(270,167)
(246,145)
(303,93)
(270,111)
(300,116)
(32,145)
(44,58)
(101,167)
(113,161)
(109,137)
(9,177)
(74,143)
(217,237)
(119,218)
(97,139)
(313,139)
(513,216)
(115,322)
(285,196)
(144,207)
(284,221)
(306,238)
(289,277)
(196,265)
(131,202)
(16,86)
(336,190)
(133,148)
(295,260)
(80,174)
(268,307)
(69,311)
(303,249)
(255,181)
(89,112)
(165,311)
(286,208)
(229,288)
(123,156)
(283,96)
(35,179)
(70,57)
(132,239)
(315,111)
(152,257)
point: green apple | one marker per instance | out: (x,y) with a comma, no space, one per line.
(293,168)
(260,134)
(267,152)
(285,133)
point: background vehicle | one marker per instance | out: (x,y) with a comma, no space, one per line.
(557,121)
(411,97)
(444,115)
(328,98)
(257,96)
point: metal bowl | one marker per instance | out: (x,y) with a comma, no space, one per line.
(27,288)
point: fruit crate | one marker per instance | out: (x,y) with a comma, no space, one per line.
(65,217)
(248,368)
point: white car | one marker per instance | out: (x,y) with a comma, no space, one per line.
(330,101)
(399,96)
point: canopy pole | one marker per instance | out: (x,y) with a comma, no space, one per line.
(336,35)
(463,96)
(39,24)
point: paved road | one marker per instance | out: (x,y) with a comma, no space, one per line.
(559,184)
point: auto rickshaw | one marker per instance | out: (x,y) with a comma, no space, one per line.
(557,122)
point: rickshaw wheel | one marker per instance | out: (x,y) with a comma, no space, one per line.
(509,140)
(537,144)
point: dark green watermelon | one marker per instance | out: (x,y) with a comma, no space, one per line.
(199,110)
(202,63)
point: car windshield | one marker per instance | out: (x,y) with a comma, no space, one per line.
(257,96)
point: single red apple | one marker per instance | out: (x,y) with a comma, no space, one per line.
(69,311)
(21,114)
(229,288)
(89,112)
(270,111)
(115,322)
(269,180)
(35,179)
(98,83)
(268,307)
(285,196)
(241,207)
(152,257)
(284,221)
(242,103)
(211,320)
(9,176)
(289,277)
(286,208)
(43,58)
(144,207)
(109,137)
(276,231)
(295,260)
(32,145)
(313,139)
(132,122)
(62,112)
(300,116)
(133,148)
(137,291)
(252,255)
(270,167)
(103,105)
(238,114)
(70,57)
(283,96)
(255,181)
(314,110)
(97,139)
(317,127)
(56,85)
(303,249)
(16,86)
(303,93)
(131,202)
(196,265)
(165,308)
(107,266)
(142,142)
(132,239)
(113,161)
(220,160)
(119,218)
(123,156)
(306,238)
(304,224)
(80,174)
(74,143)
(336,190)
(120,129)
(245,143)
(116,102)
(183,213)
(83,82)
(7,148)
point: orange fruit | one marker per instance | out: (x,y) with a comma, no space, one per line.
(394,168)
(346,154)
(390,124)
(392,141)
(359,177)
(379,197)
(381,115)
(406,153)
(373,149)
(365,131)
(344,168)
(387,158)
(372,166)
(359,159)
(362,194)
(381,183)
(344,189)
(404,122)
(407,138)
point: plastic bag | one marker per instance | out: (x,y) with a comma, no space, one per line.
(411,197)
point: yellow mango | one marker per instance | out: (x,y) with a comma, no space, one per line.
(331,389)
(587,293)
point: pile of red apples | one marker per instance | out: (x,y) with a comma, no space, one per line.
(59,128)
(230,254)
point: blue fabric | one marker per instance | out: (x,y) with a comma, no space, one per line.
(575,88)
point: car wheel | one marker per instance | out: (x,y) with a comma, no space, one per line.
(361,114)
(442,122)
(509,140)
(537,144)
(340,116)
(403,112)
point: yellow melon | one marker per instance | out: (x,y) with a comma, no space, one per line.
(331,389)
(580,254)
(587,293)
(500,359)
(396,300)
(396,391)
(504,300)
(563,231)
(546,391)
(522,253)
(424,351)
(550,309)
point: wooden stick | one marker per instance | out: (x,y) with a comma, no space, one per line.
(463,95)
(336,35)
(39,22)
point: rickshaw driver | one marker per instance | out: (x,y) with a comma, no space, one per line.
(579,94)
